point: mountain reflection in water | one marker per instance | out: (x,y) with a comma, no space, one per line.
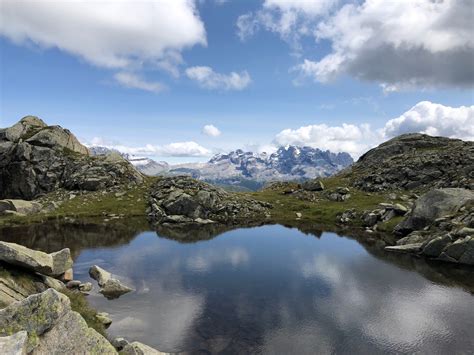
(267,289)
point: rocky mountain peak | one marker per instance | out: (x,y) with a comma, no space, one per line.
(412,161)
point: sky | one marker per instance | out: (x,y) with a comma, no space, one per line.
(181,80)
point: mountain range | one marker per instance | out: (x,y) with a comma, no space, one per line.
(248,169)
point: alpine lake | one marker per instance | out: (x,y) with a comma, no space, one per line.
(266,289)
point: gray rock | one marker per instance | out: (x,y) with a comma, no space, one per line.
(15,344)
(99,274)
(313,185)
(183,200)
(53,264)
(457,249)
(433,205)
(104,318)
(407,248)
(110,287)
(435,247)
(468,256)
(73,284)
(56,136)
(85,287)
(113,288)
(48,319)
(464,232)
(119,343)
(20,206)
(137,348)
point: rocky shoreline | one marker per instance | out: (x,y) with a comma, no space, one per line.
(37,316)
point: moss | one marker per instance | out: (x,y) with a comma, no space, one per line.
(80,305)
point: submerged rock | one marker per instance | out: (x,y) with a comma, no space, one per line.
(53,264)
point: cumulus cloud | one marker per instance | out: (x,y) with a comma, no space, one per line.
(425,117)
(211,130)
(435,120)
(400,44)
(207,78)
(134,81)
(178,149)
(107,33)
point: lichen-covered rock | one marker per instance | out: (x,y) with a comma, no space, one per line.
(36,159)
(15,344)
(51,325)
(53,264)
(181,199)
(432,205)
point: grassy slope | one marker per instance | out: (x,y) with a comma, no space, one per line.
(131,202)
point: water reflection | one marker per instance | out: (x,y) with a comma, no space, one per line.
(273,290)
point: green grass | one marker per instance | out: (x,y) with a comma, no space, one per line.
(80,305)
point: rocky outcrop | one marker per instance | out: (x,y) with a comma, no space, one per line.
(53,264)
(110,287)
(52,326)
(137,348)
(36,159)
(432,205)
(415,161)
(181,199)
(440,226)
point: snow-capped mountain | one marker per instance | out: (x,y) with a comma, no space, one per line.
(146,165)
(236,167)
(287,163)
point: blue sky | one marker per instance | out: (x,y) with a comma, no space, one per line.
(272,99)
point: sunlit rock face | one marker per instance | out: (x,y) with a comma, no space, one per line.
(36,159)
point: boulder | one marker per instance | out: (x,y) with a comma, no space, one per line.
(468,256)
(22,129)
(99,274)
(104,318)
(119,343)
(14,344)
(435,247)
(53,264)
(20,206)
(110,287)
(56,136)
(137,348)
(51,325)
(432,205)
(313,185)
(457,249)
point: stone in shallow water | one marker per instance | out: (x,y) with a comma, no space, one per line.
(407,248)
(53,264)
(111,288)
(137,348)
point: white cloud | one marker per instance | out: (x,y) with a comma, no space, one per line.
(133,81)
(178,149)
(107,33)
(353,139)
(209,79)
(211,130)
(400,44)
(424,117)
(289,18)
(435,120)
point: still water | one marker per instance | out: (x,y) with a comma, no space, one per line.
(274,290)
